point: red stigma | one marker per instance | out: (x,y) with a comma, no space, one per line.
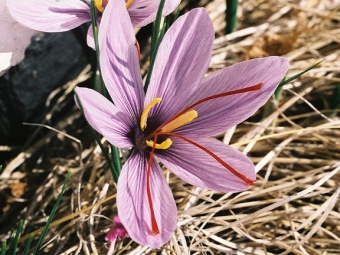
(224,94)
(154,226)
(217,158)
(138,49)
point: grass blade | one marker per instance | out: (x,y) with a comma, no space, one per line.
(50,218)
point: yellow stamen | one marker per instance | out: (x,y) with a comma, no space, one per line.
(128,3)
(180,121)
(146,111)
(99,5)
(164,145)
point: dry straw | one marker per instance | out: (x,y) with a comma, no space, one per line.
(293,141)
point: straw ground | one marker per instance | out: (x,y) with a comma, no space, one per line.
(293,141)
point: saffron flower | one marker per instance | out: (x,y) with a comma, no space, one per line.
(173,122)
(64,15)
(117,231)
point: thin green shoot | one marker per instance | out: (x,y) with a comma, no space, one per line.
(13,244)
(155,41)
(28,245)
(286,81)
(50,218)
(231,16)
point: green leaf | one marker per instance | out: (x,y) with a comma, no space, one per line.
(231,16)
(14,239)
(28,245)
(50,218)
(3,248)
(156,39)
(285,81)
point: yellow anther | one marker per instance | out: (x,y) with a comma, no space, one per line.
(99,5)
(162,146)
(146,111)
(128,3)
(180,121)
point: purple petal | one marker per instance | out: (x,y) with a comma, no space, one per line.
(105,118)
(90,38)
(50,15)
(119,59)
(14,39)
(217,115)
(133,206)
(143,12)
(182,60)
(117,230)
(197,167)
(140,10)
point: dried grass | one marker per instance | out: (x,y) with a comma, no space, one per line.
(294,142)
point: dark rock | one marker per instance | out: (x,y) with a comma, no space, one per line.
(50,62)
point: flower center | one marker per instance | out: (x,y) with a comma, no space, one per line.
(169,126)
(175,123)
(101,4)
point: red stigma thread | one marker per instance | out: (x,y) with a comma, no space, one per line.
(138,49)
(224,94)
(154,226)
(217,158)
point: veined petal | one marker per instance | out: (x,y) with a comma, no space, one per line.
(198,168)
(217,115)
(119,59)
(105,118)
(50,15)
(182,60)
(90,38)
(143,12)
(133,205)
(140,10)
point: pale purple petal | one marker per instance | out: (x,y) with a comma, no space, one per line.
(198,168)
(14,39)
(90,38)
(117,230)
(119,59)
(50,15)
(143,12)
(170,6)
(182,60)
(133,205)
(217,115)
(140,10)
(105,118)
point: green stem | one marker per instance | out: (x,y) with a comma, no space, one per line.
(115,166)
(116,159)
(50,218)
(231,16)
(155,41)
(95,27)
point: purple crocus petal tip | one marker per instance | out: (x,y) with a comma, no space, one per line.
(143,12)
(134,206)
(230,110)
(117,231)
(50,15)
(229,171)
(105,117)
(119,59)
(183,58)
